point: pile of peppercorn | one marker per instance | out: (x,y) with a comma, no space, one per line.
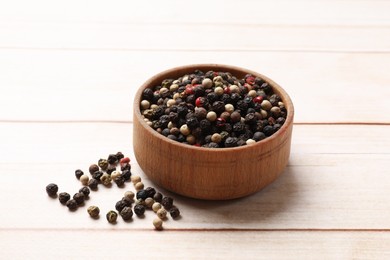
(106,172)
(213,109)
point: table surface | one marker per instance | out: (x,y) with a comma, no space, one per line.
(68,74)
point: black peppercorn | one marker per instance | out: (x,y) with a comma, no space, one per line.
(85,191)
(93,184)
(126,213)
(126,174)
(268,130)
(158,197)
(97,175)
(147,94)
(71,204)
(167,202)
(258,136)
(151,191)
(120,205)
(218,107)
(174,212)
(93,168)
(110,169)
(125,167)
(63,197)
(79,198)
(139,209)
(119,181)
(231,142)
(142,194)
(127,201)
(192,122)
(52,189)
(78,173)
(119,156)
(112,159)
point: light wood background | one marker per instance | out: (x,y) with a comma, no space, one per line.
(68,74)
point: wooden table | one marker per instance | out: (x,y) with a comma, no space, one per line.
(68,74)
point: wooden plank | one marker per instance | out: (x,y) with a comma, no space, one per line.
(338,181)
(220,37)
(220,11)
(81,244)
(65,81)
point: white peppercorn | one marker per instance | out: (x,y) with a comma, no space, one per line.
(129,195)
(185,130)
(250,141)
(145,104)
(149,202)
(156,206)
(229,108)
(157,223)
(115,175)
(138,186)
(161,213)
(216,138)
(266,105)
(207,83)
(135,178)
(219,91)
(211,116)
(84,179)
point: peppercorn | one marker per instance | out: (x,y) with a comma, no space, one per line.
(158,224)
(52,189)
(125,160)
(112,159)
(103,164)
(71,204)
(79,198)
(142,194)
(161,213)
(111,217)
(93,211)
(129,195)
(97,175)
(84,179)
(149,202)
(125,167)
(93,168)
(115,174)
(138,186)
(63,197)
(156,206)
(106,179)
(158,197)
(120,205)
(127,201)
(139,210)
(174,212)
(151,191)
(85,191)
(126,213)
(135,179)
(167,202)
(93,184)
(268,130)
(120,181)
(78,173)
(111,169)
(140,202)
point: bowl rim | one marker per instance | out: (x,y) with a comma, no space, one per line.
(286,99)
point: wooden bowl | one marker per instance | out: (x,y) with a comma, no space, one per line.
(206,173)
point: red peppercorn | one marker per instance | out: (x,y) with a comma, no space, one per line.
(189,89)
(258,99)
(125,160)
(198,102)
(220,122)
(227,90)
(250,80)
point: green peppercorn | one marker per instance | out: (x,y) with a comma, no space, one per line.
(93,168)
(139,210)
(157,223)
(103,164)
(78,173)
(71,204)
(79,198)
(52,189)
(112,216)
(167,202)
(63,197)
(126,213)
(105,179)
(174,212)
(85,191)
(93,211)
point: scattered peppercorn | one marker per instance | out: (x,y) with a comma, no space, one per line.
(120,205)
(79,198)
(142,194)
(126,174)
(71,204)
(84,179)
(119,156)
(105,179)
(93,211)
(85,191)
(139,210)
(78,173)
(126,213)
(111,169)
(161,213)
(167,202)
(138,186)
(52,189)
(93,184)
(174,212)
(156,206)
(149,202)
(135,179)
(93,168)
(97,175)
(120,181)
(112,216)
(151,191)
(129,195)
(158,197)
(112,159)
(103,164)
(63,197)
(158,224)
